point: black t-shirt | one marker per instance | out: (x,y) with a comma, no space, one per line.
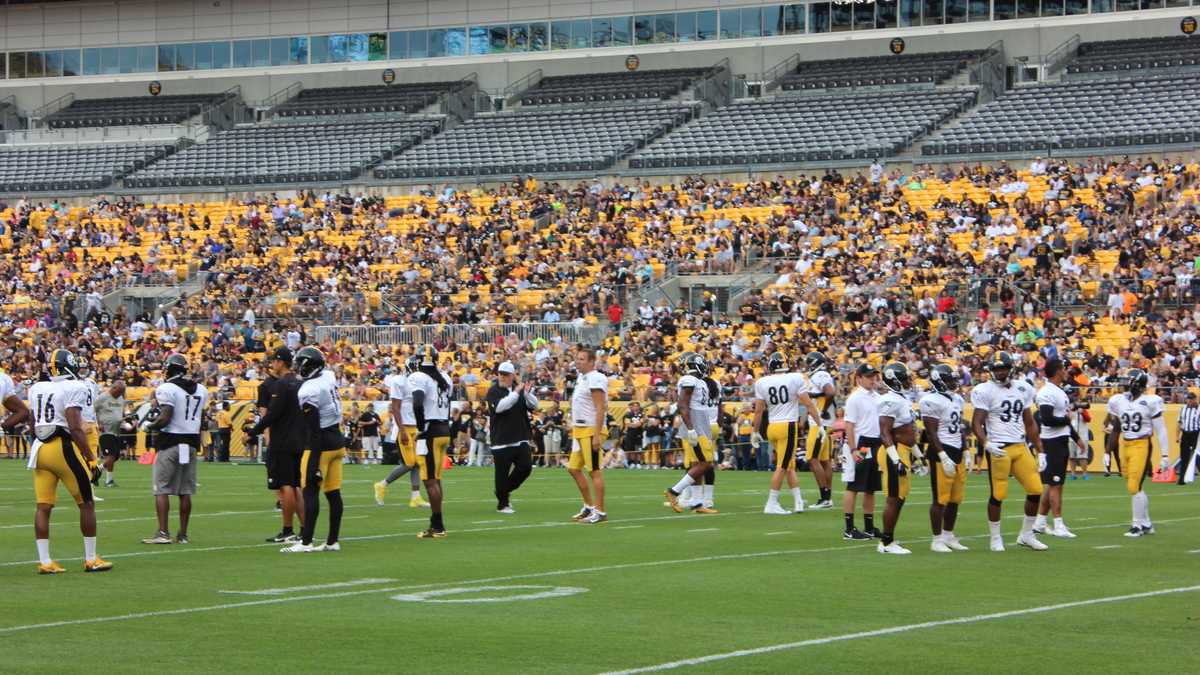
(264,392)
(368,422)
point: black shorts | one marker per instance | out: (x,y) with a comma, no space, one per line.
(283,469)
(867,476)
(110,445)
(1057,452)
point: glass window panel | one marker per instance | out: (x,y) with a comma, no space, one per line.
(885,13)
(1077,6)
(279,51)
(1170,3)
(1027,9)
(1127,5)
(956,11)
(481,43)
(793,18)
(185,57)
(147,58)
(418,47)
(360,46)
(52,63)
(980,10)
(772,20)
(16,65)
(864,16)
(664,28)
(643,29)
(33,64)
(70,63)
(560,36)
(1151,4)
(706,25)
(260,51)
(127,59)
(3,65)
(731,24)
(910,13)
(1052,7)
(499,38)
(437,42)
(818,21)
(685,26)
(518,37)
(338,44)
(751,22)
(622,31)
(932,12)
(166,58)
(298,50)
(539,37)
(377,46)
(581,33)
(1103,6)
(601,33)
(243,51)
(1003,10)
(204,59)
(109,61)
(221,52)
(397,45)
(456,41)
(91,61)
(841,16)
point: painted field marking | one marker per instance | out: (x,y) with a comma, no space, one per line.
(316,587)
(776,534)
(1105,548)
(628,527)
(705,529)
(436,596)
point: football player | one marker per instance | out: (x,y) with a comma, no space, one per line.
(176,431)
(1003,422)
(780,394)
(405,427)
(822,391)
(589,411)
(1133,414)
(899,456)
(431,394)
(1054,414)
(695,391)
(60,454)
(945,436)
(89,412)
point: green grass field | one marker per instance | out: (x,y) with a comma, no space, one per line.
(649,588)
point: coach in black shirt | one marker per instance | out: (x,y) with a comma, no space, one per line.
(285,442)
(510,406)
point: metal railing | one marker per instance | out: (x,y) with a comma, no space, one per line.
(415,334)
(774,76)
(989,72)
(512,93)
(1060,55)
(38,116)
(972,296)
(280,97)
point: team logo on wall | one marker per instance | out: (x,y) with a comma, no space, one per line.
(632,63)
(155,88)
(1188,25)
(896,45)
(389,76)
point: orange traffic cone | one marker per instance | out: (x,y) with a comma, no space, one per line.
(446,463)
(147,457)
(1167,476)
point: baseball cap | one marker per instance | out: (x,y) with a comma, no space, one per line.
(865,370)
(282,354)
(507,368)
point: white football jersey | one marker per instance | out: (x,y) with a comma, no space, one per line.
(187,408)
(816,388)
(1052,395)
(780,392)
(583,410)
(700,404)
(89,410)
(48,401)
(898,408)
(1135,416)
(398,390)
(321,393)
(437,402)
(1005,406)
(7,387)
(947,409)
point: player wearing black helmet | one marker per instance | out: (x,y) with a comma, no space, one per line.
(822,391)
(176,430)
(404,426)
(324,449)
(432,396)
(1134,414)
(699,445)
(1004,426)
(945,435)
(779,397)
(899,456)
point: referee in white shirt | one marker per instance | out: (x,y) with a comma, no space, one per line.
(511,437)
(1189,430)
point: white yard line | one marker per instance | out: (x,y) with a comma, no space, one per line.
(776,534)
(1105,548)
(317,587)
(705,529)
(907,628)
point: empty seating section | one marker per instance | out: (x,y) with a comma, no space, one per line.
(397,98)
(40,168)
(287,153)
(130,111)
(533,140)
(623,86)
(1079,114)
(1113,56)
(791,129)
(870,71)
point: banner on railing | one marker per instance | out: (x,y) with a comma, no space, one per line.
(414,334)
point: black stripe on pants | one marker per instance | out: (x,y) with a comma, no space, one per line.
(1187,446)
(513,466)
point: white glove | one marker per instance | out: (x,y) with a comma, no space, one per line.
(691,436)
(920,467)
(1041,462)
(1165,463)
(894,456)
(917,454)
(756,439)
(995,450)
(948,465)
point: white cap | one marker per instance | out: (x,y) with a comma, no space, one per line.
(506,368)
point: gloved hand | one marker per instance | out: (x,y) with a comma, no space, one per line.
(1164,464)
(894,456)
(949,467)
(94,468)
(691,436)
(247,429)
(995,450)
(920,467)
(756,439)
(1041,462)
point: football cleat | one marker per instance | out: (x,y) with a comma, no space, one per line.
(855,535)
(1062,533)
(506,510)
(52,568)
(1149,529)
(97,498)
(380,492)
(874,533)
(159,538)
(298,547)
(182,539)
(954,543)
(821,505)
(1039,529)
(893,548)
(431,534)
(97,564)
(282,538)
(583,514)
(595,519)
(799,508)
(335,546)
(1134,531)
(775,509)
(704,509)
(418,503)
(939,546)
(1031,541)
(997,544)
(672,501)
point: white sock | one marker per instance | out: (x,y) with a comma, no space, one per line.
(416,494)
(708,495)
(89,548)
(1141,510)
(1027,527)
(1107,461)
(948,535)
(796,496)
(43,547)
(773,496)
(690,494)
(994,528)
(107,475)
(683,484)
(1040,522)
(1059,524)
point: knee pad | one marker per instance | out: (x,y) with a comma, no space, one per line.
(992,501)
(1033,499)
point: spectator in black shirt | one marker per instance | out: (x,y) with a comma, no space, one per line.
(368,430)
(511,439)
